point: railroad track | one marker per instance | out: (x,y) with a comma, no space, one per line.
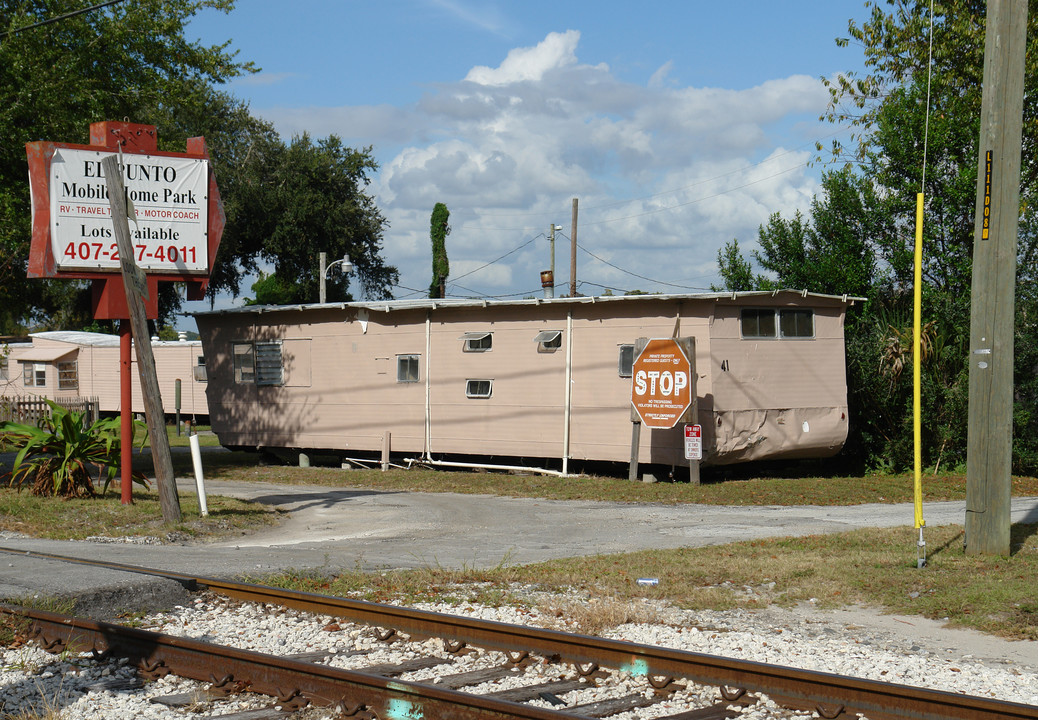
(552,664)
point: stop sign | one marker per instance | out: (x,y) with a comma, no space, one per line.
(662,387)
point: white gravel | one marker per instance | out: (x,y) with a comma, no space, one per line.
(35,681)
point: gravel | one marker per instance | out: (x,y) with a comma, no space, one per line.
(32,680)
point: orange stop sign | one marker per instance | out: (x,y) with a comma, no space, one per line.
(661,387)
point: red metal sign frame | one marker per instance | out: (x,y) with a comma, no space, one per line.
(108,295)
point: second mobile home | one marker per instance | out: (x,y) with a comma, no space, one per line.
(530,380)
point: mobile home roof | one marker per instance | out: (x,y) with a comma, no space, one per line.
(392,305)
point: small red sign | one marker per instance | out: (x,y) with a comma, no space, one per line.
(693,442)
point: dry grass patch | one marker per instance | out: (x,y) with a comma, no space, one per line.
(872,567)
(598,614)
(105,516)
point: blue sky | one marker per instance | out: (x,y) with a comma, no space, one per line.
(676,125)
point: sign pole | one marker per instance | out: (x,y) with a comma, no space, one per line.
(636,419)
(136,285)
(126,414)
(636,438)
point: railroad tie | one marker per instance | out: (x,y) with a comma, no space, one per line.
(720,711)
(530,692)
(603,708)
(474,677)
(394,669)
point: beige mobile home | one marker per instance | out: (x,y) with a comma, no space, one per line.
(531,381)
(67,365)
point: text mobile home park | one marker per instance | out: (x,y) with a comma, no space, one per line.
(538,381)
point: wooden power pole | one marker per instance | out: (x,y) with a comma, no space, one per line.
(573,253)
(990,439)
(136,285)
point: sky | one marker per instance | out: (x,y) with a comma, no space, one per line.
(676,125)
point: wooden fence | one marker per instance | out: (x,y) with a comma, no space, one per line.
(29,410)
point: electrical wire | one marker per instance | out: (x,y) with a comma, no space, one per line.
(514,250)
(926,124)
(633,274)
(58,18)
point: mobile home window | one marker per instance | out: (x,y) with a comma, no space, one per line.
(549,340)
(478,388)
(4,367)
(199,372)
(478,341)
(68,375)
(244,360)
(758,323)
(407,368)
(625,364)
(269,370)
(34,374)
(797,323)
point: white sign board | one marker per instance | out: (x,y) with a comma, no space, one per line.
(693,442)
(169,194)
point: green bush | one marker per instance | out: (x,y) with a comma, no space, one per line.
(57,456)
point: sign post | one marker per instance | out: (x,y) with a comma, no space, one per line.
(693,451)
(663,387)
(135,285)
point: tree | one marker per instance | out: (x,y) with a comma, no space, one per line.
(438,232)
(275,290)
(128,60)
(832,252)
(893,122)
(305,198)
(285,202)
(735,270)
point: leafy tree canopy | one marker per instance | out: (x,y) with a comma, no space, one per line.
(860,234)
(285,202)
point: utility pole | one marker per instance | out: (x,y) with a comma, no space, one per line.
(573,254)
(990,431)
(323,293)
(551,243)
(135,284)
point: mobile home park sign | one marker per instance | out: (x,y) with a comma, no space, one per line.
(176,216)
(167,228)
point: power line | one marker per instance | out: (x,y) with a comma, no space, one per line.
(633,274)
(514,250)
(478,295)
(59,17)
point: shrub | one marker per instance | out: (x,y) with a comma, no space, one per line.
(57,456)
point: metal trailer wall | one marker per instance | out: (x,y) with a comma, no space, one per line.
(338,388)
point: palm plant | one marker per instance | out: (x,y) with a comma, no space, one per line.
(57,456)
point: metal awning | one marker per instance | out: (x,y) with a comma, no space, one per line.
(547,336)
(45,354)
(474,336)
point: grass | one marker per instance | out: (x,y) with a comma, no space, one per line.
(205,438)
(105,516)
(781,491)
(873,567)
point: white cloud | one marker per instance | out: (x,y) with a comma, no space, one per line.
(659,77)
(530,64)
(665,174)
